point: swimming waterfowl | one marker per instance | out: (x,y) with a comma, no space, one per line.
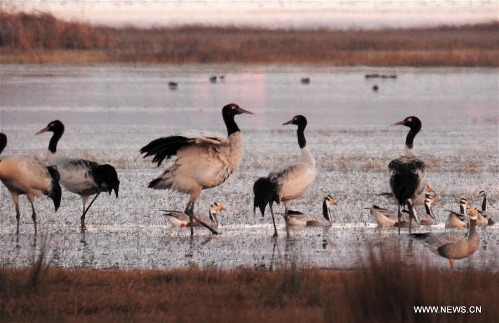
(458,219)
(180,219)
(389,218)
(428,202)
(298,219)
(484,218)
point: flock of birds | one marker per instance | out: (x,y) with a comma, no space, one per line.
(205,160)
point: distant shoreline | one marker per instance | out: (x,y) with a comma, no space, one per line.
(44,39)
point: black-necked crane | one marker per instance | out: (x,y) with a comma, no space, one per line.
(180,219)
(299,219)
(28,176)
(289,183)
(204,160)
(454,245)
(407,173)
(80,176)
(458,219)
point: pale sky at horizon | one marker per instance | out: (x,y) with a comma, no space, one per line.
(287,14)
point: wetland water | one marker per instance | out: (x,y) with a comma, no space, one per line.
(111,111)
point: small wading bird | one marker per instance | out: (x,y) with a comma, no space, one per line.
(289,183)
(453,245)
(80,176)
(407,173)
(458,219)
(299,219)
(29,176)
(203,161)
(180,219)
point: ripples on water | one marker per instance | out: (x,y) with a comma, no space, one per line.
(112,111)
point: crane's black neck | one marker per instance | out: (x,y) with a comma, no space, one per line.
(3,142)
(409,140)
(325,211)
(231,124)
(302,142)
(54,140)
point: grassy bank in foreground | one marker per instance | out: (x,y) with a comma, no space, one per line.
(385,291)
(43,38)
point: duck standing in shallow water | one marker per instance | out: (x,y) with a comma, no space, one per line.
(456,244)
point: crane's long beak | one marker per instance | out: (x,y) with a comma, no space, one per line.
(42,131)
(288,122)
(400,123)
(241,111)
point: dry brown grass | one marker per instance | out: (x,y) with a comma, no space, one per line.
(41,37)
(384,291)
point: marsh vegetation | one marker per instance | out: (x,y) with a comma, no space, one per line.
(43,38)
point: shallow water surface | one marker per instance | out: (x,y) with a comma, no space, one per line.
(110,112)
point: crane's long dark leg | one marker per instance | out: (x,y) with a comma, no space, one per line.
(273,220)
(33,215)
(18,214)
(189,210)
(410,224)
(286,220)
(412,214)
(82,218)
(399,217)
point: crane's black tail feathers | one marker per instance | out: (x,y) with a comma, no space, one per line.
(165,147)
(56,192)
(154,182)
(265,193)
(107,178)
(403,181)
